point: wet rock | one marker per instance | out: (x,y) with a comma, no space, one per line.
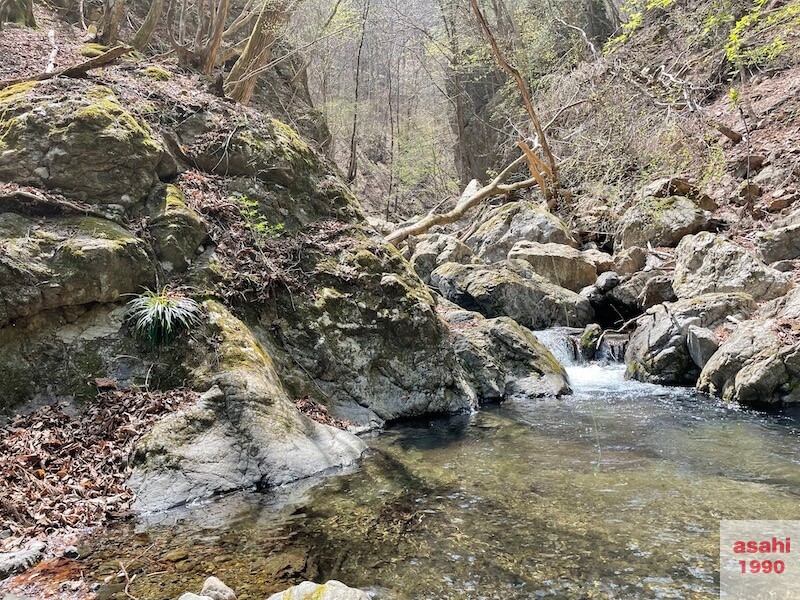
(67,261)
(432,251)
(502,359)
(177,231)
(511,288)
(515,222)
(661,222)
(332,590)
(243,432)
(216,590)
(590,341)
(562,265)
(13,563)
(760,362)
(702,344)
(71,552)
(658,351)
(76,137)
(630,260)
(707,263)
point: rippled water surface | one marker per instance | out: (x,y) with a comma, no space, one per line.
(614,492)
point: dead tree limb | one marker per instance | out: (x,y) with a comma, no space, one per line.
(523,88)
(471,198)
(78,70)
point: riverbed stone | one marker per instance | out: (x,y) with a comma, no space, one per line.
(560,264)
(216,590)
(13,563)
(243,432)
(660,222)
(658,351)
(332,590)
(77,138)
(511,288)
(432,251)
(760,362)
(514,222)
(503,359)
(708,262)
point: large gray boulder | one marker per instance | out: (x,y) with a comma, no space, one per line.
(660,222)
(514,222)
(77,138)
(243,432)
(560,264)
(67,261)
(501,358)
(432,251)
(658,351)
(332,590)
(760,362)
(708,262)
(511,289)
(779,244)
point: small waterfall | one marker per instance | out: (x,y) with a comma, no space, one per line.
(561,343)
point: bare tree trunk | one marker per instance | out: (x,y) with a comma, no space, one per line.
(111,20)
(17,11)
(209,55)
(352,171)
(552,168)
(241,82)
(142,37)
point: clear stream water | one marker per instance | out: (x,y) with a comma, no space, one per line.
(614,492)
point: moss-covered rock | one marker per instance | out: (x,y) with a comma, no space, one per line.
(432,251)
(502,359)
(515,222)
(67,261)
(77,138)
(177,231)
(511,288)
(660,222)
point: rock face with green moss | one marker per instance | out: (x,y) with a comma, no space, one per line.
(512,289)
(708,263)
(515,222)
(78,139)
(67,262)
(243,432)
(660,222)
(658,351)
(760,363)
(502,359)
(177,230)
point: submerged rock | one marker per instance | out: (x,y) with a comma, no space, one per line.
(760,362)
(333,590)
(514,222)
(511,288)
(501,358)
(658,351)
(707,263)
(660,222)
(562,265)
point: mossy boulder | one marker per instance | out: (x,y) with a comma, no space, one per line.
(512,289)
(501,358)
(709,262)
(67,261)
(77,138)
(658,351)
(244,431)
(760,362)
(558,263)
(660,222)
(514,222)
(177,231)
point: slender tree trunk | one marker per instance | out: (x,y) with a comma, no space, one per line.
(352,171)
(112,19)
(242,79)
(145,33)
(209,56)
(17,11)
